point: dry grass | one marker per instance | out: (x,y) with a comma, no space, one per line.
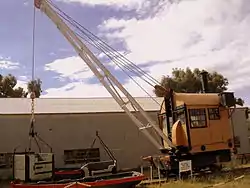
(219,180)
(242,183)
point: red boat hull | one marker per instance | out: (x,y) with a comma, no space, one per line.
(67,185)
(119,182)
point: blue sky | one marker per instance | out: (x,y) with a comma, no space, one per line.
(155,35)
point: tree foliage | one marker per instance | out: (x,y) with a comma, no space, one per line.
(188,81)
(35,86)
(8,87)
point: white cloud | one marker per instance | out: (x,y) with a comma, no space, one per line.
(23,78)
(128,4)
(141,7)
(22,84)
(77,89)
(202,33)
(25,3)
(136,89)
(73,68)
(6,63)
(83,90)
(205,34)
(112,58)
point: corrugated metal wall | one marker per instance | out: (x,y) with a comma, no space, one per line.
(77,131)
(241,130)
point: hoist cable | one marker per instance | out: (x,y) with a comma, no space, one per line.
(76,24)
(32,132)
(118,57)
(135,80)
(93,43)
(121,65)
(33,43)
(102,48)
(99,46)
(113,59)
(117,62)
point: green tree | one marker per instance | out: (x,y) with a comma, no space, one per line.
(8,87)
(188,81)
(35,86)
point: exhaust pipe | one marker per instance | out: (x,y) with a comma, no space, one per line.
(204,81)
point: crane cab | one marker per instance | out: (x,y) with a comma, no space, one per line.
(199,124)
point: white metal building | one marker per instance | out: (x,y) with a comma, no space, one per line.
(241,130)
(69,126)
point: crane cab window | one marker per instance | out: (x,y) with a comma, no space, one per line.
(213,113)
(180,114)
(198,118)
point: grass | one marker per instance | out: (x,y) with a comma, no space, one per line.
(240,183)
(219,180)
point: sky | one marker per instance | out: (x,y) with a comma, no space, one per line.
(156,35)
